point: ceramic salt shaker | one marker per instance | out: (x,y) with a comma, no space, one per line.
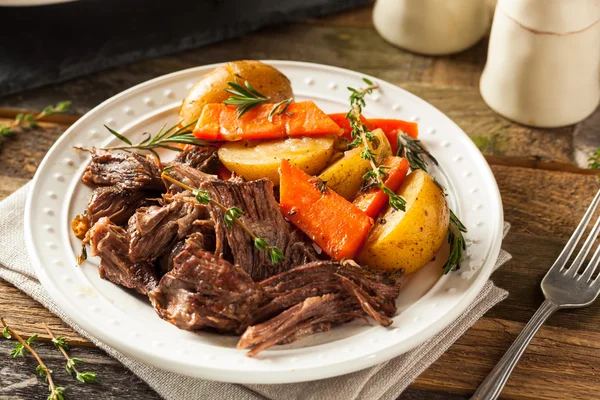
(543,65)
(432,27)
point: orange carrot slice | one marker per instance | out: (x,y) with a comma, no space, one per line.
(373,200)
(220,122)
(332,222)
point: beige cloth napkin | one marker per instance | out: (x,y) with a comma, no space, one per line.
(385,381)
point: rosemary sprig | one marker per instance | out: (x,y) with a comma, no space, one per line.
(281,108)
(164,139)
(231,215)
(56,392)
(32,119)
(361,135)
(457,243)
(415,153)
(246,98)
(61,345)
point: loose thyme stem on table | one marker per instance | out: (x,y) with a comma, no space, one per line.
(231,215)
(56,392)
(32,119)
(61,345)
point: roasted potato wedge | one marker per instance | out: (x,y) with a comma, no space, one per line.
(409,239)
(261,159)
(210,88)
(345,176)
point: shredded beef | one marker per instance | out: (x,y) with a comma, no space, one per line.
(114,202)
(204,291)
(315,314)
(152,230)
(312,297)
(188,175)
(128,170)
(261,216)
(203,158)
(202,232)
(110,243)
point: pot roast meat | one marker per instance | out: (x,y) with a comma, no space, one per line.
(263,218)
(128,170)
(186,174)
(114,202)
(203,158)
(152,230)
(110,243)
(315,314)
(202,232)
(204,291)
(314,297)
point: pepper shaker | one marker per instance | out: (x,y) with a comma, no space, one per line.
(543,64)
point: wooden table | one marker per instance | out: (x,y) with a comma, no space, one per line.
(544,191)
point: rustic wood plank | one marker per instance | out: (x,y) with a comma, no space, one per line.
(544,203)
(559,364)
(20,154)
(18,379)
(26,316)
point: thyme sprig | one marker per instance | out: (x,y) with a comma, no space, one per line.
(231,215)
(56,392)
(61,345)
(164,139)
(361,135)
(31,119)
(594,160)
(245,98)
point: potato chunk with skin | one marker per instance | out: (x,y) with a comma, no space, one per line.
(261,159)
(345,176)
(409,239)
(266,79)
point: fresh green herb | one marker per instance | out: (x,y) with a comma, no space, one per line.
(414,153)
(60,342)
(457,243)
(32,119)
(246,98)
(283,109)
(56,392)
(361,135)
(275,253)
(594,160)
(164,139)
(231,215)
(72,362)
(6,333)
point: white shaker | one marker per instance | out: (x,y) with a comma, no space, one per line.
(543,65)
(432,27)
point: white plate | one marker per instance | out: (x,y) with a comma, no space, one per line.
(129,324)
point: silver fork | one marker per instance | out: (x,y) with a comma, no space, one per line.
(563,288)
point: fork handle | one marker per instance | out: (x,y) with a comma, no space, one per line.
(492,385)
